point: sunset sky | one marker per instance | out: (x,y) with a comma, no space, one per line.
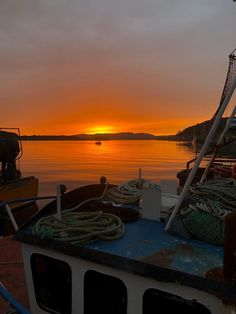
(89,66)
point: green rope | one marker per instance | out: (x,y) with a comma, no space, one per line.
(205,207)
(204,227)
(80,227)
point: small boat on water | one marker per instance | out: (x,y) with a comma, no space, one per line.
(13,185)
(98,143)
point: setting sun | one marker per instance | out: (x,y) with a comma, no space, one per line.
(100,129)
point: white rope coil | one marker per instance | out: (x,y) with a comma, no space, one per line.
(131,191)
(215,196)
(82,227)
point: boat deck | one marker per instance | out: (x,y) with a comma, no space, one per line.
(148,250)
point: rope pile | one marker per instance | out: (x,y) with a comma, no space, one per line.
(11,311)
(80,228)
(83,227)
(130,192)
(205,208)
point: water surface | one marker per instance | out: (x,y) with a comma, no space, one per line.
(75,163)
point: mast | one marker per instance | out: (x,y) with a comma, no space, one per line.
(228,90)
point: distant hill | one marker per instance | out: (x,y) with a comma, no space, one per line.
(198,131)
(92,137)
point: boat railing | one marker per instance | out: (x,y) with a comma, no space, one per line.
(6,205)
(226,160)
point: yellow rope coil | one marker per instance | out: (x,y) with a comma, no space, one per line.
(81,227)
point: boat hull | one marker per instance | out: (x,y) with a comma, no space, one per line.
(21,189)
(136,273)
(135,286)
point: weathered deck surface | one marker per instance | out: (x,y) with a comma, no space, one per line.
(146,240)
(148,250)
(12,273)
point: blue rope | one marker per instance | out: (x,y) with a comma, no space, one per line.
(12,301)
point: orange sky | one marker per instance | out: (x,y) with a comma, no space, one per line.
(112,66)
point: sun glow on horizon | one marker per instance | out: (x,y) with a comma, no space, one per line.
(100,129)
(169,126)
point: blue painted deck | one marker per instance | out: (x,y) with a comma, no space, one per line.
(146,240)
(146,249)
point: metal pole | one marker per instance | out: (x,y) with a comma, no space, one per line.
(201,155)
(59,201)
(218,145)
(11,217)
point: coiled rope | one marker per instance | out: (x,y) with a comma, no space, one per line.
(81,227)
(11,311)
(205,208)
(224,190)
(131,191)
(205,227)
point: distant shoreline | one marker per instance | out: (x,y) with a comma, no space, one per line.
(97,137)
(198,131)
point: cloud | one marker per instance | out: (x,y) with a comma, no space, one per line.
(138,54)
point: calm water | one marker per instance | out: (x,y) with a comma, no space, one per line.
(75,163)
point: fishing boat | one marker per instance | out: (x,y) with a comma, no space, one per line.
(13,185)
(86,252)
(219,160)
(222,167)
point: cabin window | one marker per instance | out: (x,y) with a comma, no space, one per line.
(157,301)
(52,284)
(104,294)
